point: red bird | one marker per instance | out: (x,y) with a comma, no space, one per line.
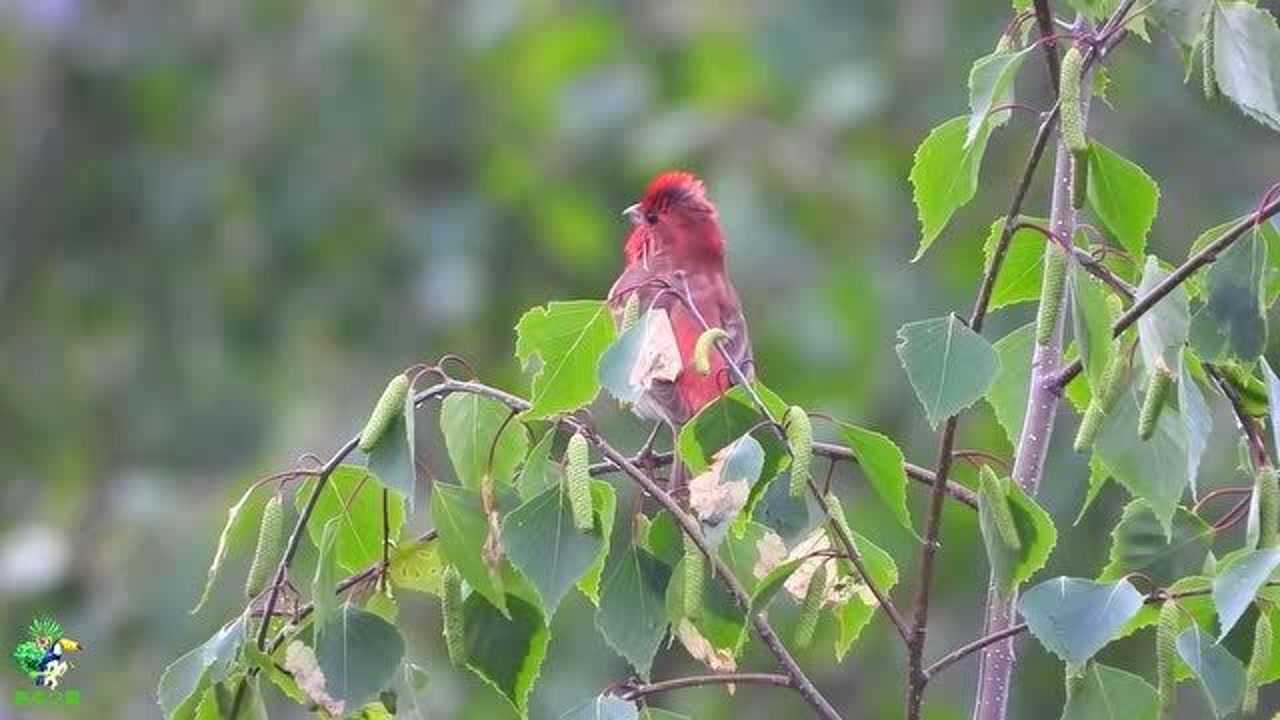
(676,242)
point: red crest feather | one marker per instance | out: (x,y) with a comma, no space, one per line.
(673,187)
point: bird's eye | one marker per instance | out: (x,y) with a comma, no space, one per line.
(651,217)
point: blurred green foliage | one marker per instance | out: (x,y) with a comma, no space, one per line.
(223,225)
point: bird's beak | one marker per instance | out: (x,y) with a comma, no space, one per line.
(69,645)
(634,214)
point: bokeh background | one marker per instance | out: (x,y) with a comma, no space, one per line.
(224,223)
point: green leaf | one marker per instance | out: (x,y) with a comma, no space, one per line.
(354,495)
(391,459)
(1273,400)
(1265,233)
(539,471)
(883,466)
(359,654)
(1155,470)
(857,611)
(470,423)
(542,543)
(604,503)
(950,366)
(1008,393)
(1022,273)
(1162,330)
(463,528)
(1197,421)
(1036,535)
(1091,322)
(419,566)
(1139,544)
(1183,19)
(1232,323)
(604,707)
(721,622)
(1235,587)
(1221,674)
(726,419)
(1123,197)
(239,517)
(569,338)
(1106,693)
(184,681)
(326,577)
(991,84)
(633,616)
(1246,53)
(1074,618)
(506,653)
(945,175)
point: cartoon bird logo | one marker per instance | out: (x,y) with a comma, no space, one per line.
(42,657)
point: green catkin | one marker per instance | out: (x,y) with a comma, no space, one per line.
(811,607)
(270,546)
(630,313)
(837,514)
(451,610)
(1259,661)
(1104,397)
(1158,387)
(1166,657)
(1055,276)
(1265,484)
(1209,73)
(800,442)
(578,478)
(694,571)
(389,405)
(1073,122)
(704,347)
(992,497)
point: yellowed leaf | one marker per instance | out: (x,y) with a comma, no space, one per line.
(714,500)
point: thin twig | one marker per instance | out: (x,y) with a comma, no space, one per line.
(964,651)
(632,691)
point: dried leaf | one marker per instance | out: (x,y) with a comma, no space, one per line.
(718,659)
(659,355)
(300,661)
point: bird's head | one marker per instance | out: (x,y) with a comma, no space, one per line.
(674,216)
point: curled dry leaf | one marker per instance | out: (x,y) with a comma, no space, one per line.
(771,552)
(840,586)
(300,661)
(659,355)
(720,660)
(719,494)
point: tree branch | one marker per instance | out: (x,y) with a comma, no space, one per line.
(1180,274)
(917,677)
